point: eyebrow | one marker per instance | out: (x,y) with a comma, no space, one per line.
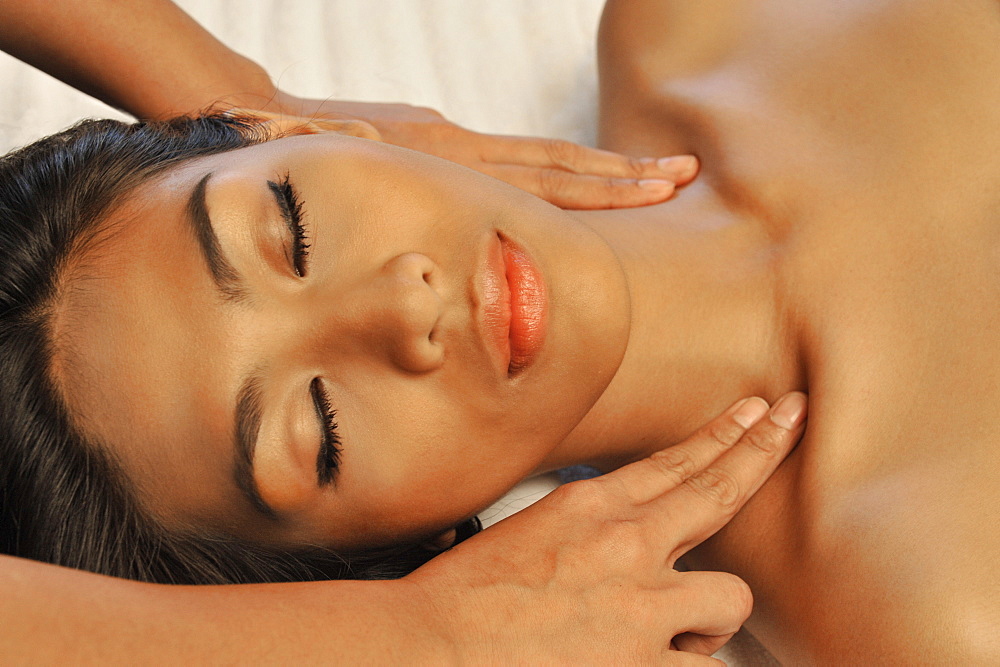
(227,279)
(247,428)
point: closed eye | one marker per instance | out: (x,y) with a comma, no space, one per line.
(291,211)
(328,457)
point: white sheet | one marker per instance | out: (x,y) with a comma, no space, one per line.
(513,66)
(507,66)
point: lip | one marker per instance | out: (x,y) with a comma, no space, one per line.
(514,306)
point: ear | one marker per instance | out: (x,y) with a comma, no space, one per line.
(445,540)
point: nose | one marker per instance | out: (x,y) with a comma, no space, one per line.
(395,313)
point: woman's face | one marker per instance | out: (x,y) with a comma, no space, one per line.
(206,341)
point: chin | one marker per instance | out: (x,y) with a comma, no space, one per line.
(589,321)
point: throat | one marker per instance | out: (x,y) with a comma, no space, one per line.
(710,324)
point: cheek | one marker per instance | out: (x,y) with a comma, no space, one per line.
(420,460)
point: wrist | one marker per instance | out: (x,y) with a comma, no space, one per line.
(233,81)
(466,611)
(246,84)
(438,623)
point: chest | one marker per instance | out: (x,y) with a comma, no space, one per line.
(876,109)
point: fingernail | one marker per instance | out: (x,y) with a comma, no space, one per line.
(750,412)
(680,166)
(656,185)
(789,411)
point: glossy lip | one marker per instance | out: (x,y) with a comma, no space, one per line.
(514,306)
(495,305)
(528,307)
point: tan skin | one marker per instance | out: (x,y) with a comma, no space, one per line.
(576,597)
(783,267)
(388,315)
(591,580)
(851,172)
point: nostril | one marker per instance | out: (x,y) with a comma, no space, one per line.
(409,265)
(427,274)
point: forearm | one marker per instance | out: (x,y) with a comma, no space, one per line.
(50,614)
(584,575)
(146,57)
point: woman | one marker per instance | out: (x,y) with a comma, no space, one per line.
(130,55)
(751,249)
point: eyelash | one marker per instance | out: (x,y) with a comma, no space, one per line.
(328,458)
(291,211)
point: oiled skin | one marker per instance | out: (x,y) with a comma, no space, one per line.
(862,140)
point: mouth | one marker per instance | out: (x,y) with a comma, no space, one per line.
(515,306)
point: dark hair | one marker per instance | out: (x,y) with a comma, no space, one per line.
(63,500)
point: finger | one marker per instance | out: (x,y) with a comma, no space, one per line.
(583,191)
(574,158)
(690,642)
(651,477)
(701,505)
(283,125)
(711,607)
(352,128)
(674,657)
(288,126)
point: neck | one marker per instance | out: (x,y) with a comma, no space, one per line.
(709,326)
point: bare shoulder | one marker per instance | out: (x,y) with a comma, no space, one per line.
(670,68)
(878,538)
(891,524)
(893,567)
(906,561)
(642,44)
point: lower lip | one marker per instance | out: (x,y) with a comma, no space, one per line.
(526,331)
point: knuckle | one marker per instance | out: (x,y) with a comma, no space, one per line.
(610,194)
(717,487)
(562,153)
(617,190)
(586,497)
(635,166)
(767,441)
(673,463)
(725,431)
(551,182)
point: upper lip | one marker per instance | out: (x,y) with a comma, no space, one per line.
(493,308)
(512,306)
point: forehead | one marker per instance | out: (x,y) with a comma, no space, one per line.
(137,342)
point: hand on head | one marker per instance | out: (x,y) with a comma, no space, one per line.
(561,172)
(279,125)
(592,576)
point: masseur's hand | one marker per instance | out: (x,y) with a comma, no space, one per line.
(586,574)
(151,59)
(564,173)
